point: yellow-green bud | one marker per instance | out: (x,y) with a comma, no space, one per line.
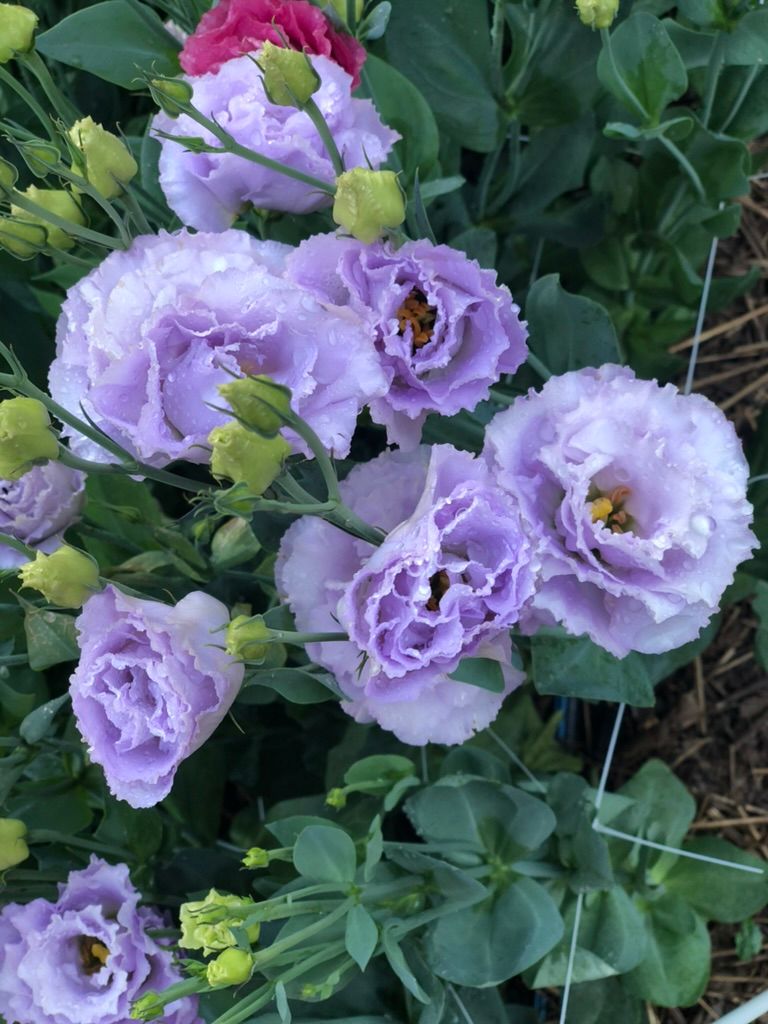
(256,857)
(232,967)
(149,1007)
(340,6)
(336,798)
(252,400)
(289,78)
(248,638)
(41,157)
(66,578)
(207,924)
(13,849)
(367,202)
(244,457)
(173,95)
(8,175)
(21,238)
(58,202)
(108,165)
(17,30)
(25,436)
(597,13)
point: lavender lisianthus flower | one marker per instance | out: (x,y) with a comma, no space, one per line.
(450,579)
(38,507)
(86,957)
(144,340)
(208,190)
(443,328)
(641,492)
(150,688)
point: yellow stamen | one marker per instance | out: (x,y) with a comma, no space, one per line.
(601,509)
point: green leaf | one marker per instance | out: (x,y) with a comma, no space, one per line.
(384,768)
(325,854)
(293,684)
(399,965)
(666,807)
(138,43)
(576,667)
(749,940)
(51,638)
(288,829)
(675,968)
(643,69)
(38,722)
(568,332)
(140,831)
(485,673)
(361,935)
(281,1003)
(488,943)
(604,1002)
(719,893)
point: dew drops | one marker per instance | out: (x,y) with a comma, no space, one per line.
(702,524)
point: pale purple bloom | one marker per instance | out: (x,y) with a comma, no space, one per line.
(208,190)
(38,507)
(641,492)
(151,686)
(144,340)
(444,329)
(85,958)
(452,576)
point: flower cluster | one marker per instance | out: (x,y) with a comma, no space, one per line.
(86,957)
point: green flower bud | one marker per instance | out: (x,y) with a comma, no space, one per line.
(22,239)
(108,165)
(253,399)
(336,798)
(149,1007)
(248,638)
(289,78)
(256,857)
(40,157)
(207,924)
(244,457)
(172,95)
(66,578)
(597,13)
(232,967)
(25,436)
(13,849)
(17,30)
(340,6)
(8,175)
(58,202)
(367,202)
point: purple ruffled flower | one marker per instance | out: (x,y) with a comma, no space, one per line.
(449,580)
(641,492)
(85,958)
(151,687)
(208,190)
(145,339)
(38,507)
(444,329)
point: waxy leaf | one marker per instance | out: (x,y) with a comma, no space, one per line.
(325,854)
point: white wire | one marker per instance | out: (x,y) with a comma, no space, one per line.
(571,959)
(609,756)
(702,313)
(673,849)
(749,1012)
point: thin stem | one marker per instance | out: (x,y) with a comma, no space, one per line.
(685,163)
(701,314)
(714,68)
(743,92)
(17,545)
(34,63)
(631,100)
(285,636)
(68,226)
(316,116)
(134,468)
(133,207)
(497,43)
(537,365)
(26,96)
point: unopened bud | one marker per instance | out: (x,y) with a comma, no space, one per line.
(207,924)
(367,202)
(248,638)
(66,578)
(17,30)
(244,457)
(13,849)
(40,157)
(172,95)
(25,436)
(258,402)
(8,175)
(289,78)
(597,13)
(255,858)
(232,967)
(107,163)
(149,1007)
(336,798)
(22,239)
(58,202)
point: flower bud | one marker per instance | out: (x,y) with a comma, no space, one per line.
(13,849)
(232,967)
(8,175)
(207,924)
(367,202)
(256,857)
(340,6)
(253,399)
(17,30)
(248,638)
(66,578)
(244,457)
(597,13)
(336,798)
(25,436)
(108,165)
(149,1007)
(40,157)
(58,202)
(289,78)
(21,238)
(172,95)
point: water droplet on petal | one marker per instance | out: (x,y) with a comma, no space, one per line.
(702,524)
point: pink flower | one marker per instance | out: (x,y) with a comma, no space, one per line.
(235,27)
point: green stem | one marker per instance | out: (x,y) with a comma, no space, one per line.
(350,522)
(17,545)
(686,165)
(352,16)
(537,365)
(262,959)
(133,468)
(34,63)
(316,116)
(629,96)
(714,68)
(67,226)
(497,43)
(285,636)
(743,92)
(26,96)
(47,835)
(190,987)
(133,206)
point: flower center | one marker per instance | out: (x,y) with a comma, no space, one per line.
(438,585)
(609,509)
(417,312)
(93,953)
